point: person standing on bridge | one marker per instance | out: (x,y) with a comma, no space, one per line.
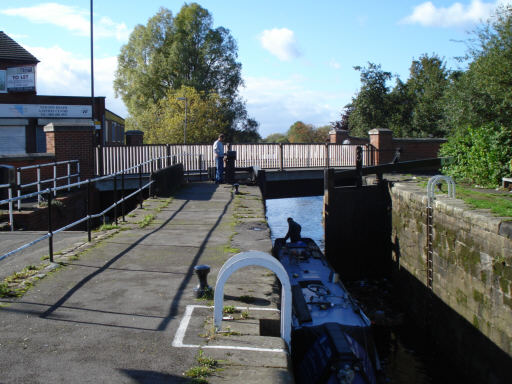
(294,229)
(218,152)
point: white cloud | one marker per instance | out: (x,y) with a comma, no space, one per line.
(61,73)
(427,14)
(281,43)
(334,64)
(276,104)
(70,18)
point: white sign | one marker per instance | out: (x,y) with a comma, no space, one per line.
(3,81)
(45,110)
(20,79)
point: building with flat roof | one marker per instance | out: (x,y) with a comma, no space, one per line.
(24,113)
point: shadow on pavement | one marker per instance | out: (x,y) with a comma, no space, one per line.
(152,377)
(88,278)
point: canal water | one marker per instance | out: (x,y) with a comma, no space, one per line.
(404,354)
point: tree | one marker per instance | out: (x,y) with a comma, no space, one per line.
(301,133)
(426,87)
(165,121)
(276,138)
(321,134)
(343,122)
(479,107)
(170,53)
(401,108)
(371,104)
(248,133)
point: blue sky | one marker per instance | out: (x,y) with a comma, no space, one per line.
(297,56)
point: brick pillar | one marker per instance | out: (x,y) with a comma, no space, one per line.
(382,140)
(72,139)
(337,136)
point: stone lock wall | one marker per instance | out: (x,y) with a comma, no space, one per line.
(470,311)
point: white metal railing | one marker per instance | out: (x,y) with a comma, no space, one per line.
(25,180)
(196,157)
(147,166)
(153,164)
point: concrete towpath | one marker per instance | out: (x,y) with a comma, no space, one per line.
(123,310)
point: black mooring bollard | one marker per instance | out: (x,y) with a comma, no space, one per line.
(202,288)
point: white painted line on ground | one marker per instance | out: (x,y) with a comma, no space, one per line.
(182,329)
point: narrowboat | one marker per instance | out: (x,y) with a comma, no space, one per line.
(331,336)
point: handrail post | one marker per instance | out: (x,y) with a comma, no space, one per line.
(326,155)
(50,239)
(200,167)
(18,180)
(78,172)
(88,203)
(140,185)
(69,175)
(359,166)
(115,198)
(39,185)
(11,216)
(281,159)
(122,193)
(55,178)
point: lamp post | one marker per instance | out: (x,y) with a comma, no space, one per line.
(185,128)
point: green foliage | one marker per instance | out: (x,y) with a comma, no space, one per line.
(229,309)
(481,154)
(300,132)
(479,106)
(276,138)
(148,219)
(371,104)
(499,204)
(411,109)
(426,86)
(167,58)
(206,117)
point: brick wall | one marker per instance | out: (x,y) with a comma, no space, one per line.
(470,313)
(382,139)
(415,149)
(72,140)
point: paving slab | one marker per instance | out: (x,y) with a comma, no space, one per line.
(112,313)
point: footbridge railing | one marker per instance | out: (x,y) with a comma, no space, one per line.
(199,157)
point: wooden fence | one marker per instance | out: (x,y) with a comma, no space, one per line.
(195,157)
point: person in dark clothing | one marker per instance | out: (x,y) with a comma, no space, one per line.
(294,229)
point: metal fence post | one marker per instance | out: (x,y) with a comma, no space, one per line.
(69,175)
(281,160)
(88,202)
(200,167)
(78,172)
(11,216)
(55,178)
(18,187)
(50,239)
(327,155)
(39,199)
(122,194)
(115,198)
(140,185)
(359,166)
